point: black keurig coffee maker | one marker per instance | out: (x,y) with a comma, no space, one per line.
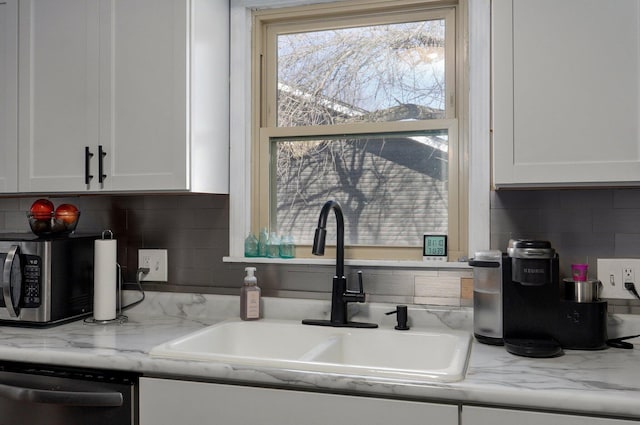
(530,299)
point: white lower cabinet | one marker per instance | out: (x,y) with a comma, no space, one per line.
(168,401)
(492,416)
(164,402)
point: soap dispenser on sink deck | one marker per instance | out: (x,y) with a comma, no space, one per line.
(401,317)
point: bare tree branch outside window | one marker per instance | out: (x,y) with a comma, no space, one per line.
(392,187)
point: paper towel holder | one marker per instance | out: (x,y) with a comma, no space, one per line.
(120,318)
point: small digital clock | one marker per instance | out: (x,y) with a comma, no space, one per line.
(434,247)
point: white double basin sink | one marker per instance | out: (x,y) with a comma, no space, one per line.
(416,355)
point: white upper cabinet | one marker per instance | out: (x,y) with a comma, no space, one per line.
(58,92)
(120,95)
(9,96)
(566,92)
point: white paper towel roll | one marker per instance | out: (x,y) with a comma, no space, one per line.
(105,278)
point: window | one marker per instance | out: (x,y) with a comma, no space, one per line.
(360,104)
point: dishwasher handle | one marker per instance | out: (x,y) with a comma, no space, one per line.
(62,398)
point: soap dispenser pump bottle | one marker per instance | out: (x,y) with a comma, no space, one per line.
(250,296)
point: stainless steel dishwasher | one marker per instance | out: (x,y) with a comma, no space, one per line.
(38,394)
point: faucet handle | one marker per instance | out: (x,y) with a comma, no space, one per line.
(355,296)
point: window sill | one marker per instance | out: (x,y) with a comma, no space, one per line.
(347,262)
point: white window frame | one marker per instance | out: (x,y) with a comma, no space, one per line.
(240,119)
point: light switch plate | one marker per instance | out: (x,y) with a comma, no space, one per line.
(156,261)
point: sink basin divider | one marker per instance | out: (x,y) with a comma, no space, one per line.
(320,348)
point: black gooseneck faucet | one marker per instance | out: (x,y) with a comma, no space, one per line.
(340,296)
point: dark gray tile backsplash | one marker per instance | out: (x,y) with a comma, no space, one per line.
(581,224)
(193,227)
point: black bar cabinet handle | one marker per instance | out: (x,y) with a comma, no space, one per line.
(101,155)
(87,165)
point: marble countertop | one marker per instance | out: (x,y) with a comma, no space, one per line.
(604,382)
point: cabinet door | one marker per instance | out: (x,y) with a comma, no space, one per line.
(58,93)
(9,96)
(164,402)
(566,92)
(492,416)
(143,93)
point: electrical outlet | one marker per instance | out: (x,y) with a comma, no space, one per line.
(613,273)
(627,274)
(156,261)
